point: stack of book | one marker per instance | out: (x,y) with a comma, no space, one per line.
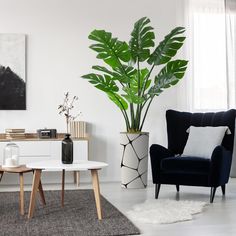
(15,133)
(78,129)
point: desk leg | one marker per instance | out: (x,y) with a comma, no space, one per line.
(63,188)
(1,173)
(22,208)
(41,193)
(35,186)
(96,190)
(77,178)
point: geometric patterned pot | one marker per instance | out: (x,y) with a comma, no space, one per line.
(134,163)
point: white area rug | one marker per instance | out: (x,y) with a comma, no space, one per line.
(158,211)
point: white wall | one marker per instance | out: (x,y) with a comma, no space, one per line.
(58,54)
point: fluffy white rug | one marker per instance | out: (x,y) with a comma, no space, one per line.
(158,211)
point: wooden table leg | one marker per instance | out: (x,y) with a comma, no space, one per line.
(41,193)
(63,188)
(1,173)
(35,186)
(77,178)
(22,208)
(96,190)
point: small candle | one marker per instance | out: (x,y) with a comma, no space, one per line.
(15,158)
(10,162)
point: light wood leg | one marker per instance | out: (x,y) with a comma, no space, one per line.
(63,188)
(75,177)
(96,190)
(41,193)
(1,175)
(78,178)
(22,209)
(35,186)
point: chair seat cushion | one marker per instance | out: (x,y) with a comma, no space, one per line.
(186,164)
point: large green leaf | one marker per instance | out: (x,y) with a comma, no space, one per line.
(137,81)
(125,73)
(118,100)
(111,50)
(104,83)
(131,97)
(133,91)
(168,76)
(168,47)
(141,40)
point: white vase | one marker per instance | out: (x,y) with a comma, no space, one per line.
(134,163)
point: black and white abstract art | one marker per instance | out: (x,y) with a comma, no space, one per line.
(12,72)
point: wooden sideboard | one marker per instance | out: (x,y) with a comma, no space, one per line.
(34,149)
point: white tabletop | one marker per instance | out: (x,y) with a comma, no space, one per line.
(57,165)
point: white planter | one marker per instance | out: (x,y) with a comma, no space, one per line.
(134,163)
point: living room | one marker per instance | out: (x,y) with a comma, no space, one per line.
(54,47)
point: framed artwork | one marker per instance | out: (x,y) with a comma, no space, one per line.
(12,72)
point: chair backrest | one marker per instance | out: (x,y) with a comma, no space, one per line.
(179,122)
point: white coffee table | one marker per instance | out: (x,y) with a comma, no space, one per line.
(58,166)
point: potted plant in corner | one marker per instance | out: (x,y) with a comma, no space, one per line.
(128,83)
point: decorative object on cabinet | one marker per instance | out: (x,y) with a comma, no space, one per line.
(15,133)
(65,109)
(78,129)
(129,85)
(67,150)
(12,72)
(47,133)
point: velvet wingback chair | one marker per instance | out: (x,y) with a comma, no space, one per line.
(167,168)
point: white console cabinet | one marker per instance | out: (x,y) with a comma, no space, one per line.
(35,149)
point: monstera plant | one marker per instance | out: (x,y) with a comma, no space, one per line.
(127,78)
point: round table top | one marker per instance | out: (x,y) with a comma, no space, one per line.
(58,165)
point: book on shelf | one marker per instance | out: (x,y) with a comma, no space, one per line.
(15,133)
(14,130)
(78,129)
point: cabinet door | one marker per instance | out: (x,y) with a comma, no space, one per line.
(31,151)
(80,149)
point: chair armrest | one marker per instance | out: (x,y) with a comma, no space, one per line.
(157,153)
(220,166)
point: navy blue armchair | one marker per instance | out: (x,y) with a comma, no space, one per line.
(167,168)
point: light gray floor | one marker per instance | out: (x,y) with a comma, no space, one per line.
(218,219)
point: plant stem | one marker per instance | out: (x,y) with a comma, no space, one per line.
(146,80)
(145,114)
(141,106)
(124,114)
(137,118)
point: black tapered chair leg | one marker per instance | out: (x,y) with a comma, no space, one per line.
(213,191)
(157,190)
(177,188)
(223,189)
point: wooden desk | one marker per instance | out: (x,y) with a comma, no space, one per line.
(21,170)
(58,166)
